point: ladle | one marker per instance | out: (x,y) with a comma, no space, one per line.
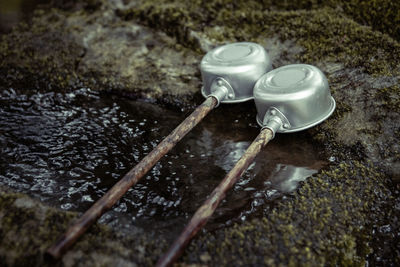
(288,99)
(229,73)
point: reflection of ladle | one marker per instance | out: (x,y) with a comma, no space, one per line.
(288,99)
(229,73)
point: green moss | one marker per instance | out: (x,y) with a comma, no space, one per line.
(326,35)
(56,63)
(390,97)
(28,228)
(382,15)
(330,219)
(325,222)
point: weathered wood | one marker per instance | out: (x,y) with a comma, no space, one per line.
(130,179)
(204,213)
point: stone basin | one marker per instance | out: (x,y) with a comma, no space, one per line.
(346,214)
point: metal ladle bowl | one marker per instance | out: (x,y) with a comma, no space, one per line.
(229,72)
(293,98)
(288,99)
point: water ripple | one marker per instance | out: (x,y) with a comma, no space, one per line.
(69,148)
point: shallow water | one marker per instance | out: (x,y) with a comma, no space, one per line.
(68,149)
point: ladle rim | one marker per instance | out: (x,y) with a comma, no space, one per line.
(239,74)
(228,101)
(309,125)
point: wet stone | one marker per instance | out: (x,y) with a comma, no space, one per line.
(68,149)
(56,127)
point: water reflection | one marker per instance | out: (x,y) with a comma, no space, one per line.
(230,153)
(68,149)
(286,177)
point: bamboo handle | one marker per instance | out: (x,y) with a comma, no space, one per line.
(204,213)
(130,179)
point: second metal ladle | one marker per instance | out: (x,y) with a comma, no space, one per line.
(229,73)
(288,99)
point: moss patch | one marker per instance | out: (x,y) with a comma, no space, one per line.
(325,34)
(359,62)
(333,218)
(28,228)
(326,222)
(94,48)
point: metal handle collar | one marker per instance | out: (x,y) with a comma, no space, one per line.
(221,89)
(275,121)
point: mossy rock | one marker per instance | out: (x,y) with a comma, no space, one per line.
(362,65)
(93,48)
(28,228)
(327,222)
(152,50)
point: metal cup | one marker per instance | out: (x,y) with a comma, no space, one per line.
(235,68)
(293,98)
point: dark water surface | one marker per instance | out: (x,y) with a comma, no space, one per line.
(68,149)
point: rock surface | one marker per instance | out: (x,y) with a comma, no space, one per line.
(348,214)
(28,228)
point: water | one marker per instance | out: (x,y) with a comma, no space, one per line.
(67,149)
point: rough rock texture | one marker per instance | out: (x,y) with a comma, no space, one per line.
(27,228)
(323,223)
(363,66)
(98,49)
(346,215)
